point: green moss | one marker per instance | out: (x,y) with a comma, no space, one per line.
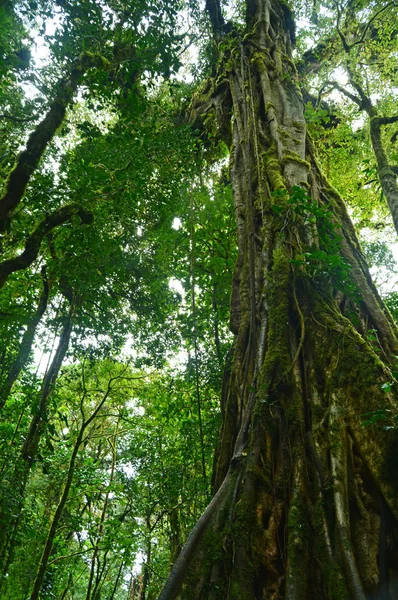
(332,195)
(284,134)
(335,582)
(293,157)
(298,527)
(278,358)
(88,60)
(358,365)
(298,124)
(288,61)
(273,169)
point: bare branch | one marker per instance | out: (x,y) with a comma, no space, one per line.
(338,29)
(343,90)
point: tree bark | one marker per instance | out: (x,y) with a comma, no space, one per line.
(299,482)
(64,496)
(39,139)
(26,343)
(39,421)
(33,242)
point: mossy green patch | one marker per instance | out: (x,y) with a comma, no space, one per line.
(279,297)
(273,169)
(293,157)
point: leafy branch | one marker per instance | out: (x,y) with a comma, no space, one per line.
(33,243)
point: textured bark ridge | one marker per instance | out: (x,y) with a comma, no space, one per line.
(305,501)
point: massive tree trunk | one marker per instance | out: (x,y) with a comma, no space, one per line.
(305,502)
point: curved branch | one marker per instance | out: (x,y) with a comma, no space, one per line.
(368,24)
(385,120)
(43,134)
(336,86)
(338,29)
(33,243)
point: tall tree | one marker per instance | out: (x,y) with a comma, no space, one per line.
(361,40)
(304,494)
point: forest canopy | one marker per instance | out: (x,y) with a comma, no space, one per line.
(198,299)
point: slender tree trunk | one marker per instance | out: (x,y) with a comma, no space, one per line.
(134,589)
(26,343)
(175,534)
(146,573)
(101,530)
(38,423)
(100,575)
(195,345)
(68,586)
(30,447)
(216,327)
(299,482)
(117,580)
(56,519)
(64,497)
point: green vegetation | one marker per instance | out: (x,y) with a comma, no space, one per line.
(129,249)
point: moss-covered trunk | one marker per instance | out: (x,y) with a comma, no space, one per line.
(305,501)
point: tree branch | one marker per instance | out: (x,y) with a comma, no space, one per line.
(33,243)
(27,341)
(213,9)
(386,120)
(340,33)
(340,88)
(58,558)
(43,134)
(368,24)
(16,119)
